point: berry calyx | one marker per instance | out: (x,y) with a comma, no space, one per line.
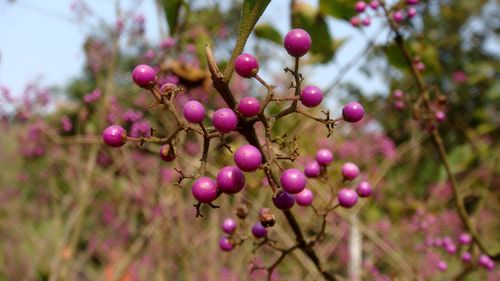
(364,189)
(248,158)
(347,198)
(324,157)
(248,106)
(350,171)
(258,231)
(230,180)
(311,96)
(246,65)
(193,111)
(114,136)
(205,190)
(312,169)
(144,76)
(229,226)
(297,42)
(305,197)
(225,244)
(293,181)
(353,112)
(167,153)
(283,200)
(225,120)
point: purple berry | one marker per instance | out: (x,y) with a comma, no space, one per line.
(398,16)
(364,189)
(399,104)
(249,106)
(283,200)
(486,262)
(114,136)
(311,96)
(225,244)
(398,94)
(353,112)
(305,197)
(312,169)
(293,181)
(440,116)
(366,21)
(167,153)
(350,171)
(465,239)
(205,190)
(246,65)
(258,231)
(355,21)
(193,112)
(143,75)
(374,4)
(466,257)
(347,197)
(411,12)
(442,266)
(360,6)
(412,2)
(248,158)
(230,180)
(297,42)
(450,248)
(229,226)
(324,157)
(225,120)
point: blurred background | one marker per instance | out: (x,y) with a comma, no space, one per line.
(73,209)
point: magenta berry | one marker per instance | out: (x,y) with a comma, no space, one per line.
(114,136)
(399,104)
(311,96)
(466,257)
(312,169)
(193,111)
(225,120)
(229,226)
(143,75)
(355,21)
(259,231)
(167,153)
(297,42)
(412,12)
(284,201)
(360,6)
(248,158)
(442,266)
(374,4)
(225,244)
(205,190)
(440,116)
(465,239)
(398,16)
(324,157)
(347,197)
(249,106)
(486,262)
(450,248)
(353,112)
(364,189)
(230,180)
(246,65)
(350,171)
(412,2)
(305,197)
(366,21)
(398,94)
(293,181)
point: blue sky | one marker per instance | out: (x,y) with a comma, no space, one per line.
(39,40)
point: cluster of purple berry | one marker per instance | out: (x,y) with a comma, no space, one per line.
(398,16)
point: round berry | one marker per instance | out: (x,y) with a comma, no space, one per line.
(311,96)
(205,190)
(398,94)
(353,112)
(442,266)
(225,120)
(297,42)
(324,157)
(248,158)
(225,244)
(293,181)
(450,248)
(399,104)
(364,189)
(114,136)
(193,111)
(412,12)
(249,106)
(355,21)
(350,171)
(259,231)
(167,153)
(305,197)
(366,21)
(360,6)
(374,4)
(283,200)
(412,2)
(246,65)
(229,226)
(143,75)
(466,257)
(440,116)
(230,180)
(312,169)
(398,16)
(486,262)
(465,239)
(347,198)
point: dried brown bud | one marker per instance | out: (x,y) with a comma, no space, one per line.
(242,211)
(266,217)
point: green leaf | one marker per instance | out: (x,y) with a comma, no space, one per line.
(342,9)
(268,32)
(171,8)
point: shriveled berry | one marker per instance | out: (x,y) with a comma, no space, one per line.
(324,157)
(114,136)
(229,226)
(293,181)
(205,190)
(193,111)
(246,65)
(249,106)
(353,112)
(347,198)
(225,120)
(350,171)
(297,42)
(364,189)
(167,153)
(259,231)
(230,180)
(283,200)
(225,244)
(266,217)
(143,75)
(312,169)
(305,197)
(248,158)
(311,96)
